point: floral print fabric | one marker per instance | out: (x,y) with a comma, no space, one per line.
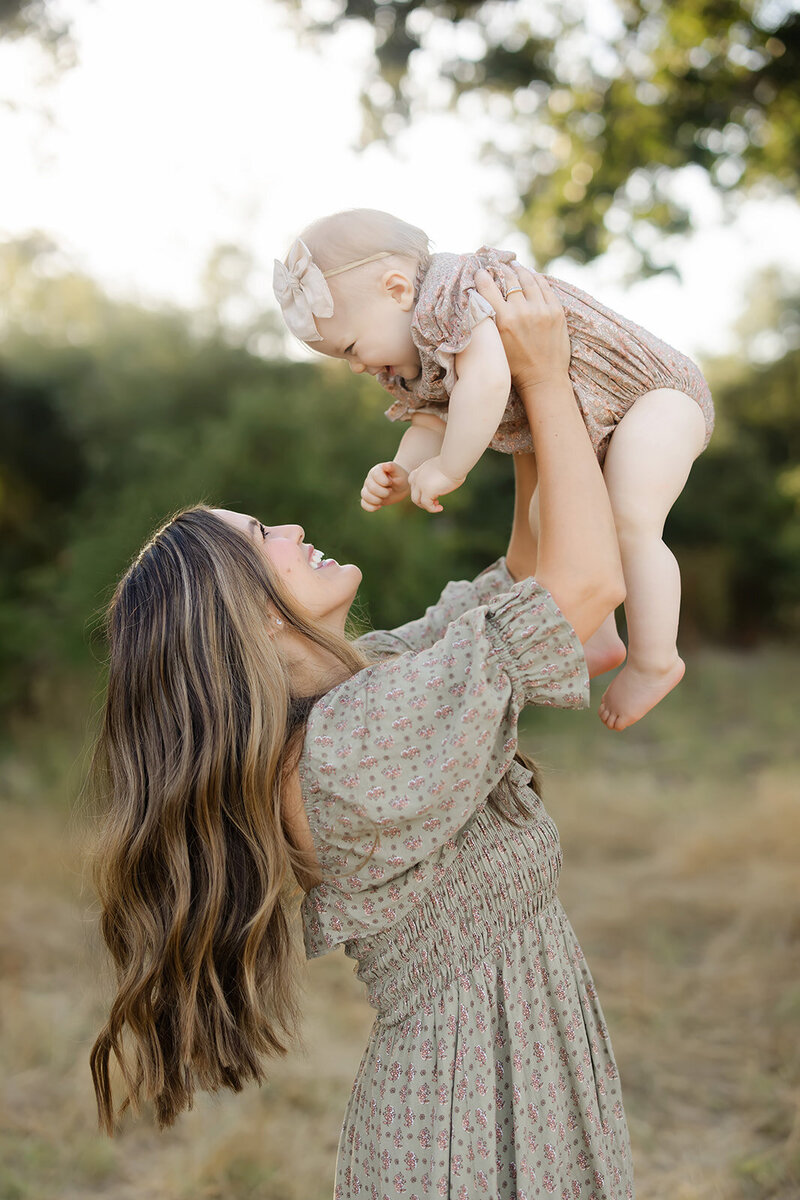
(488,1072)
(614,361)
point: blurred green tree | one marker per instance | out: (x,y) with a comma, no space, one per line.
(44,23)
(736,526)
(41,474)
(165,415)
(112,416)
(598,108)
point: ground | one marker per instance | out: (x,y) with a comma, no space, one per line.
(681,840)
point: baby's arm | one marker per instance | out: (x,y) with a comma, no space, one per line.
(387,483)
(423,440)
(477,404)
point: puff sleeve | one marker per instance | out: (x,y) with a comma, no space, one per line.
(399,758)
(447,309)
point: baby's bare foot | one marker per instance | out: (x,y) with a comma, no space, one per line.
(634,692)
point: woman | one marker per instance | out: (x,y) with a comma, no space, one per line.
(247,743)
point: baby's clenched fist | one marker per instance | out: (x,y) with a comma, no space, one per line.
(386,483)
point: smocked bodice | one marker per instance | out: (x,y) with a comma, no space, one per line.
(501,876)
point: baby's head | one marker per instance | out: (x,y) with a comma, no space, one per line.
(347,289)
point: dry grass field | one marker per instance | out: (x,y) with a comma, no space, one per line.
(682,847)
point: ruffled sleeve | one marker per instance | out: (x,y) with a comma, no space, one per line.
(399,758)
(447,309)
(449,326)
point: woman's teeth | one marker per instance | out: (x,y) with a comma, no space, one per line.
(316,559)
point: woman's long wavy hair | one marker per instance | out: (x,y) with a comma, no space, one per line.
(195,864)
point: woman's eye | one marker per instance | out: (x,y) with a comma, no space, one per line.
(263,529)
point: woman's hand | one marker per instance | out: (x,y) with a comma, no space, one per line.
(576,549)
(532,325)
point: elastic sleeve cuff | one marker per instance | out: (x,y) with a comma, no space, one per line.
(539,649)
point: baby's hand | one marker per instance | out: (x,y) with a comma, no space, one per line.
(386,483)
(429,482)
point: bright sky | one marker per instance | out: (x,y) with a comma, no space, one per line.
(185,126)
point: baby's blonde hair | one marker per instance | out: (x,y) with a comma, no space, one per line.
(356,233)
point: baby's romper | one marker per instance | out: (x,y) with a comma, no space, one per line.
(613,360)
(489,1072)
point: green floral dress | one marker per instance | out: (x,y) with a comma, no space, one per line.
(489,1072)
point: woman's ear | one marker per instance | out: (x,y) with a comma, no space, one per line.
(274,623)
(400,288)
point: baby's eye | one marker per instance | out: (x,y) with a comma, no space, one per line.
(350,348)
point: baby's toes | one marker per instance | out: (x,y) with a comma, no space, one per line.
(605,714)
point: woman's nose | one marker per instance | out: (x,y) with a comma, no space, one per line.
(294,533)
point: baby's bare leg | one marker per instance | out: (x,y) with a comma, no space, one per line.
(648,461)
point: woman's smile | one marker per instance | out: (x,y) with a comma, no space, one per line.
(317,559)
(322,586)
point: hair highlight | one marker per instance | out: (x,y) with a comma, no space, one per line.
(195,865)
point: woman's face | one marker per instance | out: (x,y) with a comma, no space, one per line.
(321,586)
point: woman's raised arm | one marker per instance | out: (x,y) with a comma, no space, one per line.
(578,556)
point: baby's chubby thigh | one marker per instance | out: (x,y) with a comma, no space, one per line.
(649,458)
(648,461)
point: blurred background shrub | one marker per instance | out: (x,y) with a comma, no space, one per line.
(112,416)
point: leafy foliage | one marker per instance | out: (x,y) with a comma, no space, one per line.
(141,415)
(37,19)
(601,108)
(743,496)
(113,416)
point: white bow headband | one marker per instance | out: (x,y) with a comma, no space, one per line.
(302,292)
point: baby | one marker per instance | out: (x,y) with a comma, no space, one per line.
(362,286)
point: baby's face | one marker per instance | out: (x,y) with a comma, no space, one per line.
(370,329)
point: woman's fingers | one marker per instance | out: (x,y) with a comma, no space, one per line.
(489,289)
(492,292)
(530,280)
(537,291)
(535,288)
(530,321)
(544,291)
(520,282)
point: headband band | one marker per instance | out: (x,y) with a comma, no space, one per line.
(358,263)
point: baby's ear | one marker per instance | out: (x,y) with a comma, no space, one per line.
(400,288)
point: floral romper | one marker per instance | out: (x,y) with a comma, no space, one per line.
(613,361)
(489,1072)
